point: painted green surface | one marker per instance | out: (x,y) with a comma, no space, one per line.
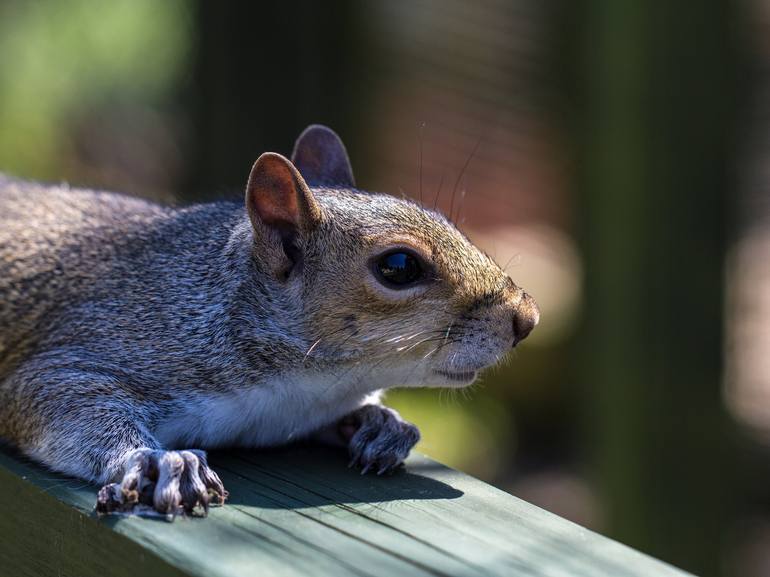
(301,511)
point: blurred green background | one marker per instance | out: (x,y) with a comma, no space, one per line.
(620,176)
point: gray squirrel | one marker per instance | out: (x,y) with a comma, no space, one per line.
(133,335)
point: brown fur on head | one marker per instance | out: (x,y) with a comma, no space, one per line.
(457,312)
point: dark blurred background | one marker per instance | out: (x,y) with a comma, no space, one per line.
(618,165)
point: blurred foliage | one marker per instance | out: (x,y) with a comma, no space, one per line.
(59,59)
(473,436)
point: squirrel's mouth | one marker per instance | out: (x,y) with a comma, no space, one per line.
(458,377)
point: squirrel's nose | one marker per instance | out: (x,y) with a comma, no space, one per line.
(525,318)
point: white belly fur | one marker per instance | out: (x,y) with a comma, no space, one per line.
(271,414)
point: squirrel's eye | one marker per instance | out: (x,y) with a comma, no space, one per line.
(399,269)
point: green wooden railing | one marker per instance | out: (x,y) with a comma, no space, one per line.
(301,511)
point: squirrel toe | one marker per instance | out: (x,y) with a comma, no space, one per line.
(165,482)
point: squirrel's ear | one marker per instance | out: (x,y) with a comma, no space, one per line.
(322,159)
(277,197)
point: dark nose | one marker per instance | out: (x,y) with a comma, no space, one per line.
(525,318)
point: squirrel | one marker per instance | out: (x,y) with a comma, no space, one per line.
(135,335)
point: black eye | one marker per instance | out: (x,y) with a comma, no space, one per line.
(399,269)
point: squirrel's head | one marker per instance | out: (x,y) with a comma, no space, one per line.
(383,284)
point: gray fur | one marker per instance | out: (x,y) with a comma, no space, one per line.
(383,439)
(129,330)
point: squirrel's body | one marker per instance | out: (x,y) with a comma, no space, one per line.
(128,329)
(170,339)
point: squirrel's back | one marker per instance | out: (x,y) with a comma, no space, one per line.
(61,246)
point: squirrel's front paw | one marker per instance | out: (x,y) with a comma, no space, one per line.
(168,482)
(380,439)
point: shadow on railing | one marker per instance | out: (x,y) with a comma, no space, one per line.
(312,476)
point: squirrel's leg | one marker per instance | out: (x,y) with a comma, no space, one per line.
(86,425)
(376,436)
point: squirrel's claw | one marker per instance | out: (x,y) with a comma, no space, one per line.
(216,491)
(165,482)
(383,439)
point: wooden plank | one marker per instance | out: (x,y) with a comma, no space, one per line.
(301,511)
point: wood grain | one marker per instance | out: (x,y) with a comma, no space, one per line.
(301,511)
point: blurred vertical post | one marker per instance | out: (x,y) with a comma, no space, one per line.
(263,72)
(657,89)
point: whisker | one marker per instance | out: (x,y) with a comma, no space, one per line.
(461,204)
(417,344)
(326,335)
(448,330)
(510,260)
(310,350)
(350,370)
(426,340)
(338,348)
(419,163)
(438,192)
(433,352)
(459,177)
(400,338)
